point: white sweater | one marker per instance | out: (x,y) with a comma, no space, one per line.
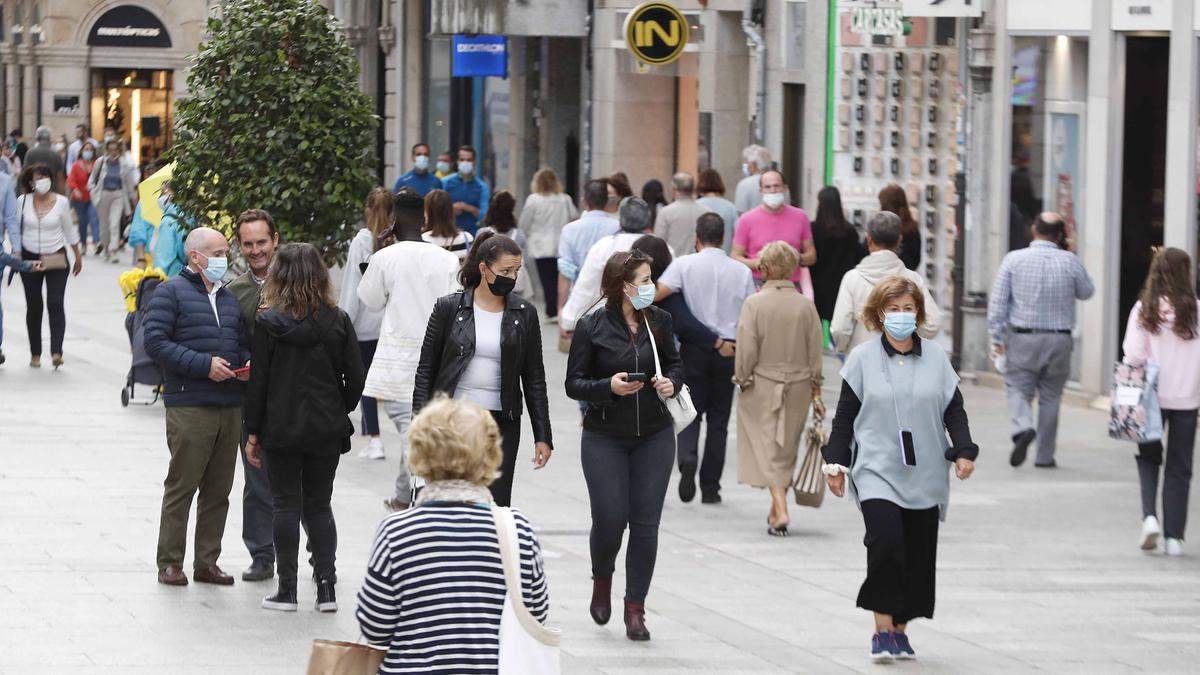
(585,294)
(50,233)
(366,321)
(847,329)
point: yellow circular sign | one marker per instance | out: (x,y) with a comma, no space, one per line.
(656,33)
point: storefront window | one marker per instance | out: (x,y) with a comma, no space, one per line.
(1049,92)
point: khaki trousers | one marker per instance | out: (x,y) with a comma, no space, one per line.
(204,447)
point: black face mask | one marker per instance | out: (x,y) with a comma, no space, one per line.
(502,286)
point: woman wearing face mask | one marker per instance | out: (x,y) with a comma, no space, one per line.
(81,199)
(112,186)
(628,444)
(484,345)
(899,400)
(46,232)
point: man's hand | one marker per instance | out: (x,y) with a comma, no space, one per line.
(253,452)
(244,375)
(219,370)
(725,348)
(998,349)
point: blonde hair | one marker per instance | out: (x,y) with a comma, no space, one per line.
(887,290)
(545,182)
(454,440)
(378,214)
(778,260)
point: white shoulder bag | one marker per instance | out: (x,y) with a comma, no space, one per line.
(526,646)
(680,405)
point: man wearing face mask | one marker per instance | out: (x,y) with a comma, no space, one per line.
(420,179)
(775,220)
(469,192)
(444,168)
(44,153)
(195,331)
(755,160)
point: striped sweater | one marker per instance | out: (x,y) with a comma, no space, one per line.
(434,589)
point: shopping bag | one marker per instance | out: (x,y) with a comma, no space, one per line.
(526,646)
(809,485)
(1134,414)
(332,657)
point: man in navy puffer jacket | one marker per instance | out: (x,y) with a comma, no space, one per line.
(195,331)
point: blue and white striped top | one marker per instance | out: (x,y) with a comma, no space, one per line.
(434,589)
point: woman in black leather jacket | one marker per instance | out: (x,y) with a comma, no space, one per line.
(628,444)
(482,345)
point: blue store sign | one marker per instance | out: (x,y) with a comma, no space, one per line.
(479,56)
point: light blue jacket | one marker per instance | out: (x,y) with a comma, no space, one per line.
(168,251)
(9,222)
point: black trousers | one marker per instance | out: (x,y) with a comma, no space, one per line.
(56,290)
(627,482)
(258,509)
(510,440)
(370,407)
(1180,426)
(709,375)
(901,560)
(547,269)
(302,483)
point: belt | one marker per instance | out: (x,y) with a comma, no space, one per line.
(1066,331)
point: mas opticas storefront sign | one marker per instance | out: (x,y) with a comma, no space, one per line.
(479,56)
(656,33)
(129,26)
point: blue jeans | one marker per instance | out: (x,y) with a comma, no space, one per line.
(86,213)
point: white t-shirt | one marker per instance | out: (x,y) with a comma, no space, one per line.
(460,245)
(480,383)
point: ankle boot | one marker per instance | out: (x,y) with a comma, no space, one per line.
(601,607)
(326,596)
(284,599)
(635,621)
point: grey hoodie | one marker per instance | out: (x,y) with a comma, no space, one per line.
(847,328)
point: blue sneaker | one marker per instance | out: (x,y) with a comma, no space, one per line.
(903,650)
(883,647)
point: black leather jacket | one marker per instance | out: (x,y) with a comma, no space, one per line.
(600,348)
(449,347)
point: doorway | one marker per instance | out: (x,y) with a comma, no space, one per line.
(139,104)
(793,140)
(1143,170)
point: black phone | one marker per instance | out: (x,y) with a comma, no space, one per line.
(907,447)
(637,377)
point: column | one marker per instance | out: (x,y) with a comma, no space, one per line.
(1180,209)
(29,120)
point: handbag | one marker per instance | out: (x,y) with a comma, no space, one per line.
(1134,413)
(333,657)
(526,646)
(809,485)
(680,405)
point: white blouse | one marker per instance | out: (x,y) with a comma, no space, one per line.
(51,232)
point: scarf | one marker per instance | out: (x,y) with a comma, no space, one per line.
(454,491)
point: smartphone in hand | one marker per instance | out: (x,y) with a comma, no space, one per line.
(637,377)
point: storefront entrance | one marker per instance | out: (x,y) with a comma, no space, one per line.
(139,104)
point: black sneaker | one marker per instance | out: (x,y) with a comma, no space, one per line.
(687,482)
(259,570)
(710,498)
(2,356)
(1021,446)
(326,597)
(284,599)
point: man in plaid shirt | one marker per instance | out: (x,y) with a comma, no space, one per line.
(1030,317)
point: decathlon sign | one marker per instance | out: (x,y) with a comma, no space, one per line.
(479,56)
(656,33)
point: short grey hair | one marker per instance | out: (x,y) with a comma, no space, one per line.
(684,183)
(636,215)
(884,229)
(757,155)
(43,134)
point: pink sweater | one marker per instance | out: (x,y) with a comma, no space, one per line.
(1178,360)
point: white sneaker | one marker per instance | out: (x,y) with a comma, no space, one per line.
(1174,547)
(374,449)
(1150,533)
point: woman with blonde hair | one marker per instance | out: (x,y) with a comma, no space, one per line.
(378,220)
(434,592)
(306,378)
(441,228)
(778,368)
(547,209)
(899,400)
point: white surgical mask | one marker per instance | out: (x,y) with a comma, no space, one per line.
(41,186)
(58,147)
(421,162)
(466,168)
(443,167)
(773,200)
(87,154)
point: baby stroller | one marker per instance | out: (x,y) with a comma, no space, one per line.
(143,370)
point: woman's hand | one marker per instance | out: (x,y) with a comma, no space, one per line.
(819,407)
(78,266)
(837,484)
(35,266)
(664,386)
(253,452)
(541,454)
(964,468)
(623,387)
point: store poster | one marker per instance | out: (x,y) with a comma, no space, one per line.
(1064,166)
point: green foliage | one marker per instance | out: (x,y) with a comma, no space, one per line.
(276,121)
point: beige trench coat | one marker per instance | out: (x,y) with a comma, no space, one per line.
(777,364)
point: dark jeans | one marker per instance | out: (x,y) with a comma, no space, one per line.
(510,440)
(901,560)
(547,270)
(709,375)
(627,482)
(258,509)
(86,213)
(370,408)
(302,483)
(1180,426)
(56,289)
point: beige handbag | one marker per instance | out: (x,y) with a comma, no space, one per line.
(809,486)
(333,657)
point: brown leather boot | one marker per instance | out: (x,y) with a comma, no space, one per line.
(601,607)
(635,621)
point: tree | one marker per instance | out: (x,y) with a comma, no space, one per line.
(276,121)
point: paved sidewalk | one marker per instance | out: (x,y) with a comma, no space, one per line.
(1039,570)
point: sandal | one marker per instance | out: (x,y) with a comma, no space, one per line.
(777,530)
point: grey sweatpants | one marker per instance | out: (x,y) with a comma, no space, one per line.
(1037,363)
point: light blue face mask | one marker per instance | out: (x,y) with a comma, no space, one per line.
(900,325)
(421,162)
(216,269)
(644,297)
